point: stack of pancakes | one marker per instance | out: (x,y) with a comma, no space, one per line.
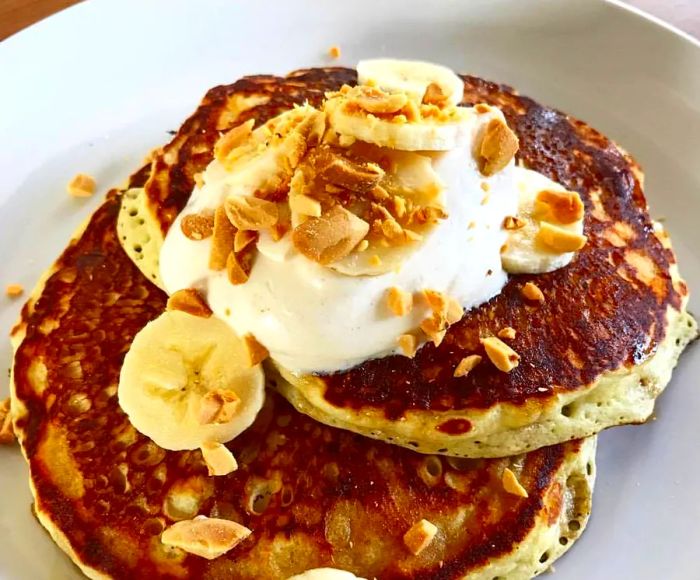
(338,467)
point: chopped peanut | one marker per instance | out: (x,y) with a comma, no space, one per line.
(304,205)
(434,95)
(375,261)
(419,536)
(498,146)
(256,351)
(251,213)
(454,311)
(500,354)
(513,223)
(205,537)
(560,239)
(82,185)
(532,292)
(198,226)
(564,207)
(219,460)
(14,290)
(222,240)
(512,485)
(334,51)
(435,328)
(341,171)
(507,332)
(237,270)
(362,246)
(466,365)
(374,100)
(243,239)
(399,301)
(189,301)
(437,301)
(232,139)
(218,406)
(482,108)
(7,434)
(408,344)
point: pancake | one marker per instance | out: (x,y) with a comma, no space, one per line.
(596,353)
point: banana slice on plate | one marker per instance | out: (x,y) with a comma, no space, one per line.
(186,382)
(412,77)
(548,229)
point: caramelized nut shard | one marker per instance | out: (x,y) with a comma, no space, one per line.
(512,485)
(223,237)
(82,185)
(251,213)
(560,239)
(408,343)
(7,434)
(532,292)
(466,365)
(219,460)
(218,406)
(564,207)
(507,332)
(374,100)
(330,237)
(498,146)
(189,301)
(14,290)
(198,226)
(503,357)
(399,301)
(341,171)
(256,351)
(513,223)
(419,536)
(232,139)
(304,205)
(208,538)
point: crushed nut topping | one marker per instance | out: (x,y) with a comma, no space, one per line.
(507,333)
(14,290)
(334,51)
(198,226)
(343,172)
(564,207)
(377,101)
(466,365)
(513,223)
(443,306)
(498,146)
(304,205)
(7,434)
(532,292)
(243,239)
(560,239)
(419,536)
(219,460)
(408,343)
(82,185)
(503,357)
(223,236)
(189,301)
(256,351)
(332,236)
(512,485)
(251,213)
(399,301)
(482,108)
(206,537)
(239,266)
(435,328)
(233,139)
(218,406)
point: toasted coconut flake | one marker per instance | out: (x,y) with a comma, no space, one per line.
(190,301)
(7,434)
(218,406)
(330,237)
(466,365)
(564,207)
(408,343)
(532,292)
(498,146)
(209,538)
(512,485)
(507,332)
(251,213)
(232,139)
(243,239)
(219,460)
(198,226)
(256,351)
(304,205)
(82,185)
(560,239)
(341,171)
(513,223)
(14,290)
(399,301)
(419,536)
(222,240)
(500,354)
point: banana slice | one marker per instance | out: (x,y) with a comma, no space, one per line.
(524,252)
(373,116)
(412,77)
(185,382)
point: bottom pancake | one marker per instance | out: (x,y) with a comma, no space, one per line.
(312,495)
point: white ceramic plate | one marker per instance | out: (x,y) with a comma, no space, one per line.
(95,87)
